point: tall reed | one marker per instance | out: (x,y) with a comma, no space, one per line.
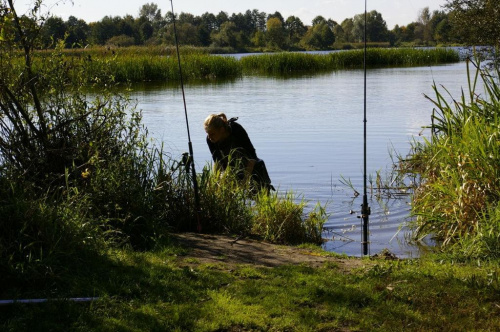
(283,63)
(459,192)
(281,219)
(138,64)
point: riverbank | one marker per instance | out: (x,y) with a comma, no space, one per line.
(196,282)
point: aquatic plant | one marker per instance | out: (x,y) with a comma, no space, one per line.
(283,63)
(280,218)
(136,64)
(459,190)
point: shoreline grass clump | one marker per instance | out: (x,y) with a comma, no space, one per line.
(281,219)
(458,197)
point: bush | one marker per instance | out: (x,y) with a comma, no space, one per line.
(121,41)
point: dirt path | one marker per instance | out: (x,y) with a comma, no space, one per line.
(231,251)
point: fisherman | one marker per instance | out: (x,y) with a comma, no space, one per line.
(230,145)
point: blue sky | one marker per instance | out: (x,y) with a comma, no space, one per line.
(394,12)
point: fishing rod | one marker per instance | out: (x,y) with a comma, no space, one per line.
(191,156)
(31,301)
(365,209)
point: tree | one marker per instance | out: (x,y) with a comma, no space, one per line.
(442,32)
(424,19)
(52,31)
(226,36)
(78,32)
(103,30)
(220,19)
(150,12)
(278,16)
(376,27)
(146,31)
(295,29)
(318,20)
(187,34)
(319,36)
(275,32)
(439,21)
(259,20)
(348,29)
(339,33)
(476,21)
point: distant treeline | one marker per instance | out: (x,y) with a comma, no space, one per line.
(249,31)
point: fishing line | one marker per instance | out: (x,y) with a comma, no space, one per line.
(190,144)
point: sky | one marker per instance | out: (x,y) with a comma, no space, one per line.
(401,12)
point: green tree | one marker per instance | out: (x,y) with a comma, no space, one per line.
(339,33)
(276,15)
(347,26)
(78,32)
(440,27)
(376,27)
(318,20)
(318,37)
(259,20)
(226,36)
(104,29)
(295,29)
(424,18)
(220,19)
(150,12)
(476,21)
(442,32)
(52,31)
(275,34)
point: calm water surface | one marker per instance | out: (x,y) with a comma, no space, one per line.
(309,131)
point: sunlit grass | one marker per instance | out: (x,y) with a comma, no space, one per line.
(153,290)
(458,197)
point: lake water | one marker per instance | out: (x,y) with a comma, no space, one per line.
(309,131)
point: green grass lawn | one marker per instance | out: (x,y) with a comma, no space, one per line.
(167,289)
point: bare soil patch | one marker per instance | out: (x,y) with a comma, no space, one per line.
(231,251)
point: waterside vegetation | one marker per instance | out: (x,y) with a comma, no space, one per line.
(458,190)
(79,174)
(140,64)
(89,206)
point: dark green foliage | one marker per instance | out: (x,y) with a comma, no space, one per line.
(475,21)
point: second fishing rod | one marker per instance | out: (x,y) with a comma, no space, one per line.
(189,163)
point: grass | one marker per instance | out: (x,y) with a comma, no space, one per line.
(283,63)
(154,290)
(457,199)
(141,64)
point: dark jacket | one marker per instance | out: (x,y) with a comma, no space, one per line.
(235,151)
(238,145)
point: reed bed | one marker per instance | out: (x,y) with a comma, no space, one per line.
(142,64)
(142,68)
(283,63)
(458,197)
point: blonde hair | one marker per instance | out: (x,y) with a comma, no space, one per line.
(216,121)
